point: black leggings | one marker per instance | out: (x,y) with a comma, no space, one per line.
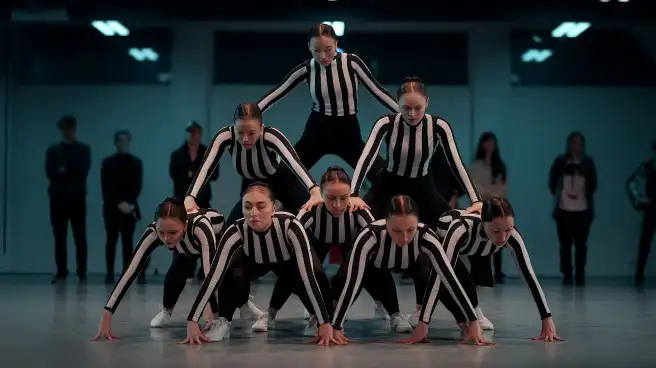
(242,270)
(176,279)
(337,135)
(379,282)
(386,185)
(282,291)
(285,185)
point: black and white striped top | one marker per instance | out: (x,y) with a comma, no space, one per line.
(259,162)
(376,246)
(285,239)
(464,235)
(334,89)
(410,150)
(331,229)
(203,229)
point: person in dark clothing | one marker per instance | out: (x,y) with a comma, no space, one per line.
(185,161)
(641,188)
(67,167)
(121,178)
(573,182)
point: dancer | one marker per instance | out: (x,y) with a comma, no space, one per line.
(262,241)
(190,235)
(412,137)
(395,243)
(331,224)
(485,234)
(256,152)
(333,78)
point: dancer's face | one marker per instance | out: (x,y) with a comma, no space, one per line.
(170,231)
(258,209)
(336,197)
(402,228)
(413,107)
(248,132)
(490,145)
(499,229)
(323,49)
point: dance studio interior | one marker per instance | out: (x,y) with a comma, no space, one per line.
(364,183)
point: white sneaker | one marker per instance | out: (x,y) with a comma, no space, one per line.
(380,312)
(483,321)
(220,330)
(262,323)
(162,319)
(311,327)
(413,319)
(306,314)
(399,323)
(249,311)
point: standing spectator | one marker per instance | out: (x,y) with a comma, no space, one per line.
(67,167)
(489,173)
(641,187)
(121,178)
(573,182)
(185,161)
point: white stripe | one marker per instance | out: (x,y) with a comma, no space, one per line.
(280,231)
(211,155)
(280,90)
(338,89)
(349,89)
(324,90)
(460,168)
(372,86)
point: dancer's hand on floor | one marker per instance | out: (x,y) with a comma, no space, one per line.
(325,335)
(548,333)
(356,203)
(105,327)
(194,335)
(474,335)
(418,335)
(339,337)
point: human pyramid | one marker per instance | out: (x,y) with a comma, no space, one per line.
(402,224)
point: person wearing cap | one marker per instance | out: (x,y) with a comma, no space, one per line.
(67,167)
(185,161)
(641,187)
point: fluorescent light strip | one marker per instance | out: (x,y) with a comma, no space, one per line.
(110,28)
(537,56)
(145,54)
(570,29)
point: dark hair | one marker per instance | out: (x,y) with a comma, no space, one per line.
(261,187)
(67,121)
(119,133)
(248,111)
(496,207)
(322,29)
(570,138)
(402,205)
(334,174)
(498,166)
(411,84)
(172,208)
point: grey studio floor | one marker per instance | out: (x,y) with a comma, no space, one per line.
(606,323)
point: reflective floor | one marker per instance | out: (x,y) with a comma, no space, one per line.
(44,325)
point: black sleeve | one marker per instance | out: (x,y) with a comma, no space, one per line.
(431,246)
(147,244)
(554,175)
(370,153)
(297,238)
(106,184)
(591,180)
(221,141)
(356,263)
(281,145)
(52,167)
(518,250)
(138,181)
(291,80)
(376,89)
(230,242)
